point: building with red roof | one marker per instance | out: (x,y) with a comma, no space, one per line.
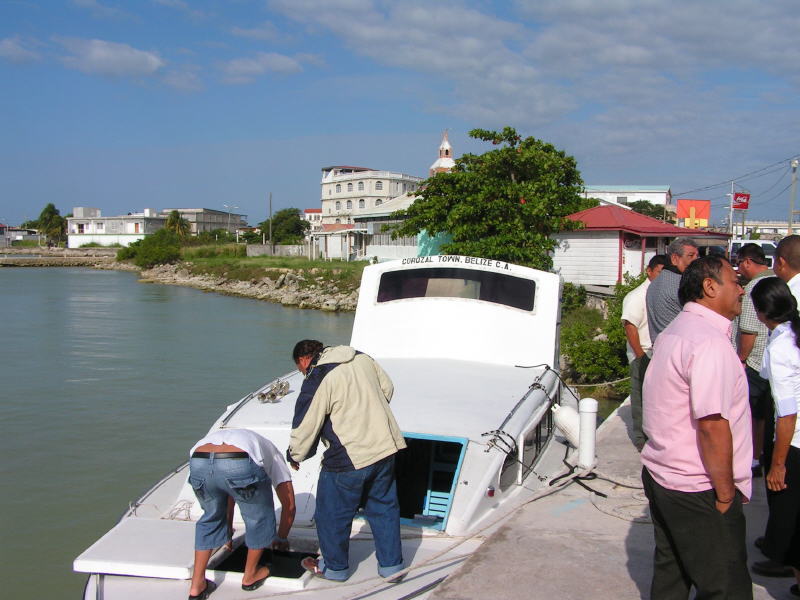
(614,241)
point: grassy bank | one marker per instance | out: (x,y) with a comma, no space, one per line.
(224,261)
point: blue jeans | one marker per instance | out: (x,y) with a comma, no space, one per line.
(339,495)
(213,480)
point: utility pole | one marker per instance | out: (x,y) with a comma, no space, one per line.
(271,247)
(793,196)
(730,217)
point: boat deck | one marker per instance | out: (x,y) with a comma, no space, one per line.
(573,545)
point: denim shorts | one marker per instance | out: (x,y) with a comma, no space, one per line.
(213,480)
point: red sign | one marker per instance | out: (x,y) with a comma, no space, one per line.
(741,201)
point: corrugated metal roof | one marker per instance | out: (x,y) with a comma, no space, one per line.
(614,218)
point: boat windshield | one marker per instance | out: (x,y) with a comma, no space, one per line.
(499,288)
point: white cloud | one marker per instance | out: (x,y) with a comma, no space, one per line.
(99,57)
(100,10)
(182,6)
(12,49)
(247,69)
(185,79)
(265,31)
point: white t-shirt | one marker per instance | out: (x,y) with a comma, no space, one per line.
(261,450)
(634,311)
(794,287)
(781,365)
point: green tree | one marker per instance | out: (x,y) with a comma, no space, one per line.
(645,207)
(52,224)
(288,226)
(178,225)
(503,204)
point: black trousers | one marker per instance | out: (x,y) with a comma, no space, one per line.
(782,538)
(696,545)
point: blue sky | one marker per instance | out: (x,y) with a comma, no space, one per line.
(167,103)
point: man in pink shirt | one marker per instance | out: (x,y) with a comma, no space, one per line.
(697,458)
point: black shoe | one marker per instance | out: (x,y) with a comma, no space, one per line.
(770,568)
(210,587)
(759,542)
(794,590)
(255,585)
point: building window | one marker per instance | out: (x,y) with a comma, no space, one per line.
(338,221)
(349,187)
(378,185)
(338,187)
(622,200)
(99,226)
(360,186)
(329,191)
(361,203)
(338,205)
(378,202)
(349,205)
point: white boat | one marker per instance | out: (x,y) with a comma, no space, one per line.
(471,346)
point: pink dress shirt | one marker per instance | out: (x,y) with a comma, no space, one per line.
(694,373)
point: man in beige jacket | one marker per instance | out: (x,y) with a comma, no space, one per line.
(344,401)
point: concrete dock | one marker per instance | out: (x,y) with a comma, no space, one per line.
(575,545)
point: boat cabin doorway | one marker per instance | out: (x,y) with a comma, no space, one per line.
(427,474)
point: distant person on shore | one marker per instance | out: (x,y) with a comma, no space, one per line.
(344,401)
(662,296)
(750,338)
(787,263)
(634,322)
(777,309)
(238,465)
(696,462)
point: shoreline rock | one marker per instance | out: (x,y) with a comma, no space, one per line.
(291,288)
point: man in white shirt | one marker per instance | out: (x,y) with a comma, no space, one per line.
(787,263)
(634,322)
(238,465)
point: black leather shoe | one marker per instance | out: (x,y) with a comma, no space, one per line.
(770,568)
(759,542)
(794,590)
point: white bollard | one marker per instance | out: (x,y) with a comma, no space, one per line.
(588,433)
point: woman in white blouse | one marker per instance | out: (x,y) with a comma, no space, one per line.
(777,309)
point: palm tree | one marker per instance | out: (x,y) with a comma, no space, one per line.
(177,224)
(52,224)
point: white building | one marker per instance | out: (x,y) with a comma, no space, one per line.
(351,191)
(659,195)
(88,226)
(773,230)
(314,218)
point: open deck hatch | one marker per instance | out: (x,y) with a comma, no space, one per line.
(427,473)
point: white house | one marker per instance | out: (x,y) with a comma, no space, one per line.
(659,195)
(615,241)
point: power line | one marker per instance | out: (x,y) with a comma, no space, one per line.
(727,181)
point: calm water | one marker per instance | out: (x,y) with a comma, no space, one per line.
(105,383)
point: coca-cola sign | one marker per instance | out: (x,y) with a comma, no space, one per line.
(741,201)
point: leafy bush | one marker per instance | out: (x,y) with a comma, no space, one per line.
(572,297)
(159,248)
(596,348)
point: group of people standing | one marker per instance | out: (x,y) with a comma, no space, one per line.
(344,401)
(715,371)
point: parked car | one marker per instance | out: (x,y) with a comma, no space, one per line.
(767,245)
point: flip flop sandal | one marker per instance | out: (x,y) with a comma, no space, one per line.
(210,587)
